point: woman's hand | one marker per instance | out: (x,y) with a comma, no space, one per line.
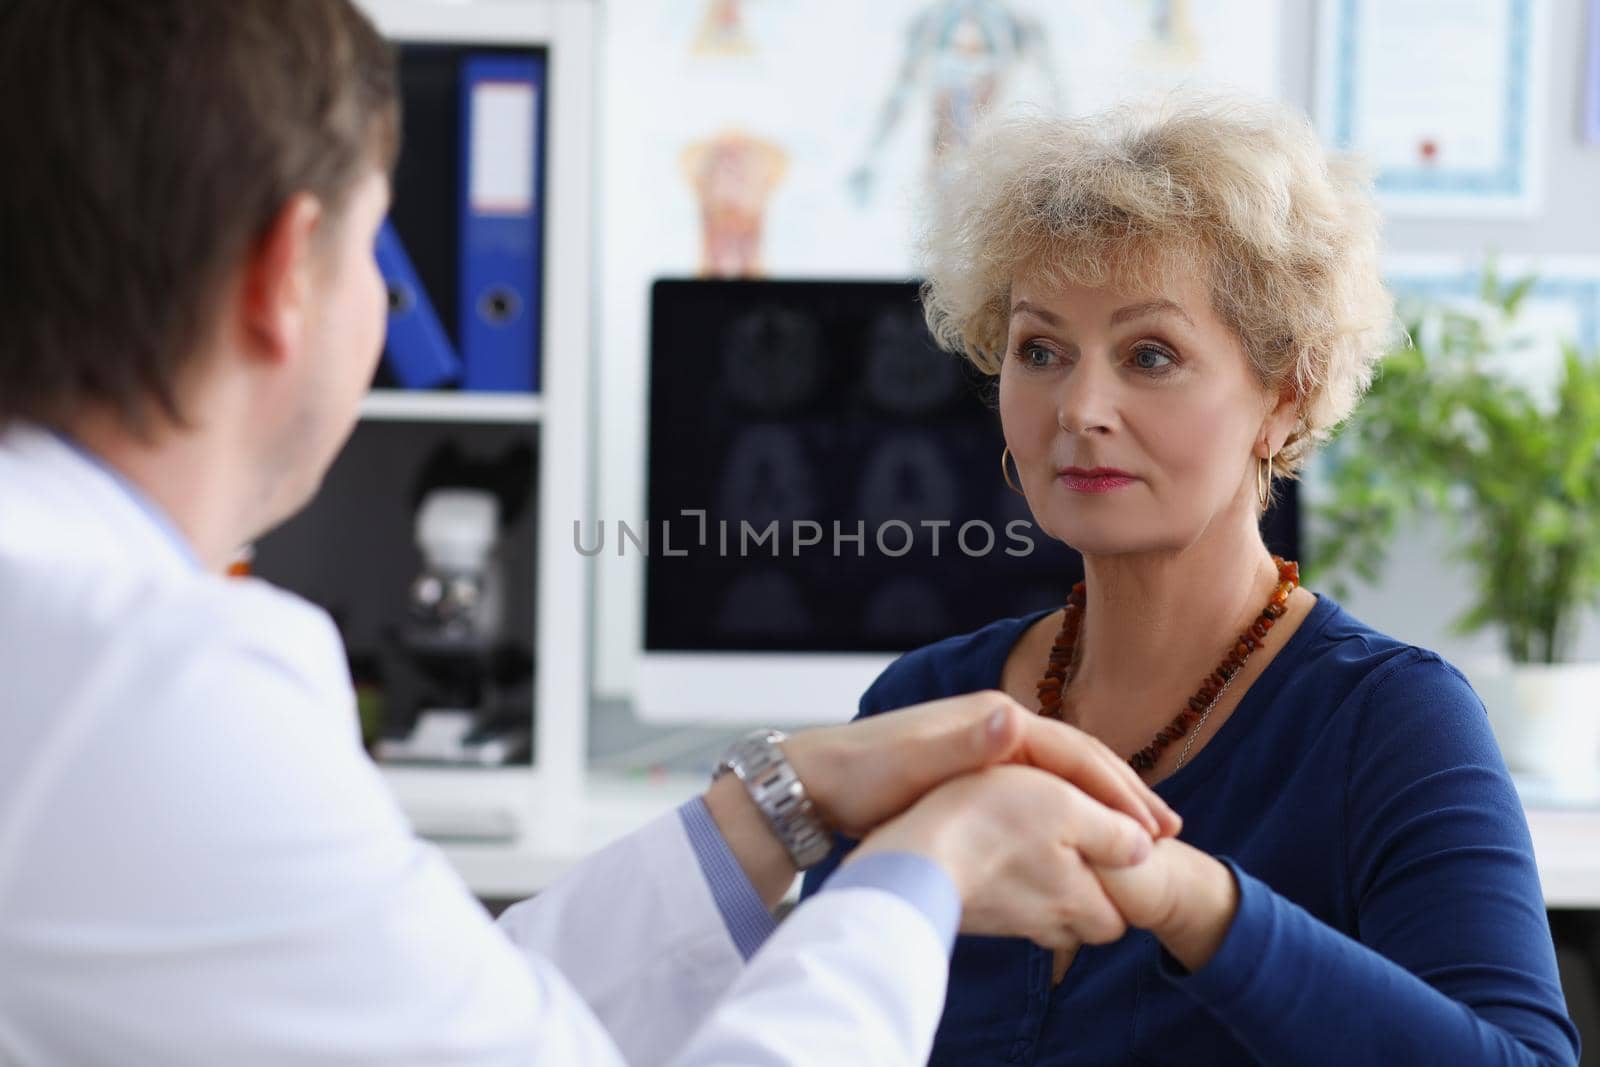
(864,773)
(1019,845)
(1180,894)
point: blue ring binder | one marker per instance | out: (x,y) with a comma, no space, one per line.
(501,190)
(417,349)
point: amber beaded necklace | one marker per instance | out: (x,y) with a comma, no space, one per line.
(1192,717)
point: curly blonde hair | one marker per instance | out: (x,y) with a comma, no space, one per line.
(1240,190)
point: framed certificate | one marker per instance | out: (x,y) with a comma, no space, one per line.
(1442,97)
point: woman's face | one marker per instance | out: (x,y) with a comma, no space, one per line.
(1133,417)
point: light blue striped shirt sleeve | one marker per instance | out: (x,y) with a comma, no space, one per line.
(915,879)
(743,913)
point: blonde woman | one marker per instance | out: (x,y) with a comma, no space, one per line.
(1179,305)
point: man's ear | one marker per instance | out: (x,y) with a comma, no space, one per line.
(278,280)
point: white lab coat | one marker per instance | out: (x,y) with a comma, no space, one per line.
(199,865)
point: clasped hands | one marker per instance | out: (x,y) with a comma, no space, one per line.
(1045,831)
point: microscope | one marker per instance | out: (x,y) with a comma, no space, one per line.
(451,640)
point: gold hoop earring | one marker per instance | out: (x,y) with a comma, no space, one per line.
(1005,472)
(1264,481)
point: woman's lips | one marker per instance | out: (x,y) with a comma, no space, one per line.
(1095,481)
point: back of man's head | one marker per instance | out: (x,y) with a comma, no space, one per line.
(148,144)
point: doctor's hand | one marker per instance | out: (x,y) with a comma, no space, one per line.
(1023,848)
(864,773)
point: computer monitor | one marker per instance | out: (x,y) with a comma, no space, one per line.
(824,494)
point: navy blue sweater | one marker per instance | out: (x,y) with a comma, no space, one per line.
(1389,911)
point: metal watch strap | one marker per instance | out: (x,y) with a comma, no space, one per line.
(760,764)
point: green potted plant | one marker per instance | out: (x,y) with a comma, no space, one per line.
(1513,469)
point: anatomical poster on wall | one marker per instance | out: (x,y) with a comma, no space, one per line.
(785,137)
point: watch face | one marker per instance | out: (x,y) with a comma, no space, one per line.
(749,749)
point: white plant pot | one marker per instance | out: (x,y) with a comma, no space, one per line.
(1547,720)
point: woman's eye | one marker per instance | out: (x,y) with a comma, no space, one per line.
(1035,356)
(1151,358)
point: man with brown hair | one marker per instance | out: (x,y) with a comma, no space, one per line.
(198,864)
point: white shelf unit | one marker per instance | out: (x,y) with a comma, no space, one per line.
(543,799)
(403,405)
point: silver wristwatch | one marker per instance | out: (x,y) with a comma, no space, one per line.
(761,766)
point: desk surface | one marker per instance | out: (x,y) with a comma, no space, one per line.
(1566,841)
